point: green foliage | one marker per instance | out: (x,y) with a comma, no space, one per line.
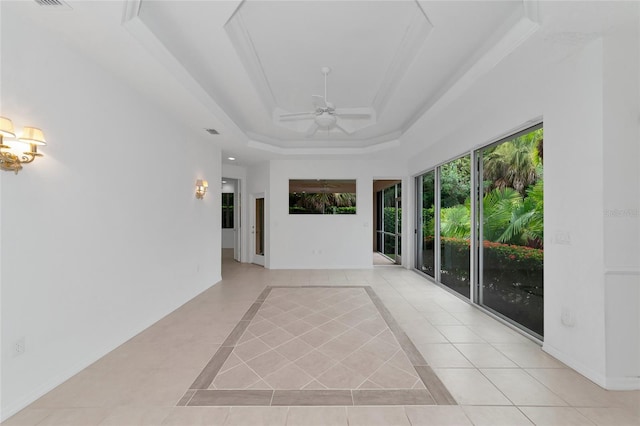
(514,164)
(455,221)
(345,210)
(390,219)
(511,219)
(455,182)
(428,222)
(428,189)
(322,203)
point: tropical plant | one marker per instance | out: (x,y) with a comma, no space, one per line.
(455,222)
(511,219)
(322,202)
(514,164)
(455,182)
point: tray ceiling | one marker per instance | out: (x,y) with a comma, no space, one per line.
(258,59)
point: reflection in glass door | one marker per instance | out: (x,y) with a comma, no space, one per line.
(512,224)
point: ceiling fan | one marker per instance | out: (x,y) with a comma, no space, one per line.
(325,115)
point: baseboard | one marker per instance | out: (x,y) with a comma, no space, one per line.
(316,267)
(609,383)
(21,403)
(623,383)
(57,380)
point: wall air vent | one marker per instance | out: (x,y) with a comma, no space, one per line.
(212,131)
(53,4)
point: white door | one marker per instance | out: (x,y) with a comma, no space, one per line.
(257,229)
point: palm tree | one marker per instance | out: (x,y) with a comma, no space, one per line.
(514,164)
(511,219)
(322,201)
(455,222)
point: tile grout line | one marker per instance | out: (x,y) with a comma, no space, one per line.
(232,340)
(205,379)
(392,323)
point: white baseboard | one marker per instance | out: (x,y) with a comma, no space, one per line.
(609,383)
(623,383)
(57,380)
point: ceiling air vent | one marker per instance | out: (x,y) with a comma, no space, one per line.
(212,131)
(53,3)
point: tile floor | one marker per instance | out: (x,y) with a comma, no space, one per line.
(317,346)
(496,376)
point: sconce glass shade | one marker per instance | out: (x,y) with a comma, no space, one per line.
(33,135)
(6,128)
(201,188)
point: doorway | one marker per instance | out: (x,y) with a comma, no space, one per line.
(387,241)
(258,230)
(231,219)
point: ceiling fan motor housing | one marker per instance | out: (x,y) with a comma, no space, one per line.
(325,120)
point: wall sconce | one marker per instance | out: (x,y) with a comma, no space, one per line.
(12,152)
(201,188)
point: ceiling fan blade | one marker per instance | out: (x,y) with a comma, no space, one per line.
(297,115)
(363,112)
(319,101)
(343,130)
(312,129)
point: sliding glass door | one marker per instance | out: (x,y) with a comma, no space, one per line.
(389,227)
(455,225)
(486,212)
(426,218)
(512,225)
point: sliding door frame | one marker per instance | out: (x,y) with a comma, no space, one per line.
(476,226)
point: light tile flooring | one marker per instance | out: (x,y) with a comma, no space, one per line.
(317,346)
(497,376)
(380,260)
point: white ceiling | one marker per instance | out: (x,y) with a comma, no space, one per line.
(230,65)
(261,57)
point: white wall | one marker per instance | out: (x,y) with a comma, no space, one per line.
(621,139)
(103,236)
(589,104)
(324,241)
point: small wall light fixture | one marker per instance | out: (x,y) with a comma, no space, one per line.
(201,188)
(13,150)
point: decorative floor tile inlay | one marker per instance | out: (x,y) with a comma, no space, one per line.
(317,345)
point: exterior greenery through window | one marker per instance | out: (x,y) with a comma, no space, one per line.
(322,196)
(227,210)
(510,227)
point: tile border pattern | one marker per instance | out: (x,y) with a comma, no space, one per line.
(199,393)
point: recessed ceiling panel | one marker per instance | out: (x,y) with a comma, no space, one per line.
(262,60)
(285,44)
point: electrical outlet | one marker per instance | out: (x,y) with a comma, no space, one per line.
(19,347)
(567,318)
(563,238)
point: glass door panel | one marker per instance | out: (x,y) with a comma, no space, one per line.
(426,230)
(455,225)
(511,271)
(389,226)
(389,246)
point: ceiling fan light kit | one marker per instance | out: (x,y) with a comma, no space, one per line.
(326,115)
